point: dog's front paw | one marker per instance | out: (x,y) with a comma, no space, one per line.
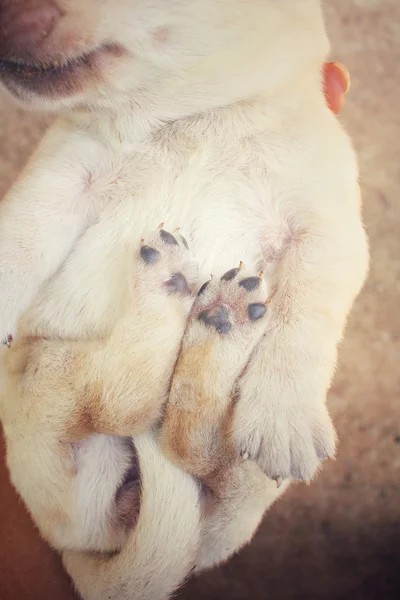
(287,433)
(166,265)
(227,319)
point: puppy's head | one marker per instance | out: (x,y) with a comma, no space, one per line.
(63,53)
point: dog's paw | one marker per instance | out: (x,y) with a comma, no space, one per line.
(167,265)
(227,319)
(236,304)
(287,433)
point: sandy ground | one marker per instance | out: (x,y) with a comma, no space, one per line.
(340,538)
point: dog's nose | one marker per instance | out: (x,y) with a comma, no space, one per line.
(24,25)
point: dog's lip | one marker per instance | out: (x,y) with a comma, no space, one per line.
(57,78)
(20,68)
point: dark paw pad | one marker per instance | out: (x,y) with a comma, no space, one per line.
(256,311)
(149,255)
(168,238)
(178,285)
(250,283)
(217,317)
(231,274)
(203,288)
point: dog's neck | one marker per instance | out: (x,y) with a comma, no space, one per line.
(135,117)
(274,72)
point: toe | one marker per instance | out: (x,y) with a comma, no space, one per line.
(231,274)
(178,284)
(168,238)
(256,311)
(250,283)
(149,255)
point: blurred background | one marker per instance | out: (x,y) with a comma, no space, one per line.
(339,538)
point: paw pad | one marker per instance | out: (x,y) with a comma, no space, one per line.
(169,262)
(256,311)
(217,317)
(178,284)
(231,274)
(231,301)
(149,255)
(250,283)
(168,238)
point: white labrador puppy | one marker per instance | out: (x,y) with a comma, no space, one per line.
(207,115)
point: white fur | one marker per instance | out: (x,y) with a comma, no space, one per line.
(214,121)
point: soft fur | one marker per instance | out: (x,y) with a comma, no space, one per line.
(207,115)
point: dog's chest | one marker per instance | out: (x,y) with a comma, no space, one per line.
(218,195)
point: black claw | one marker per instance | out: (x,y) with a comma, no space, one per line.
(217,317)
(149,255)
(250,284)
(178,285)
(256,311)
(229,275)
(168,238)
(203,288)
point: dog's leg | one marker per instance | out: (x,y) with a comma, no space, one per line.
(55,394)
(143,347)
(118,384)
(234,503)
(41,217)
(226,322)
(175,532)
(281,419)
(160,551)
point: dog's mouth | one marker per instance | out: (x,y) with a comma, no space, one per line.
(59,78)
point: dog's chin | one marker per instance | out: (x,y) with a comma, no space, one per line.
(54,84)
